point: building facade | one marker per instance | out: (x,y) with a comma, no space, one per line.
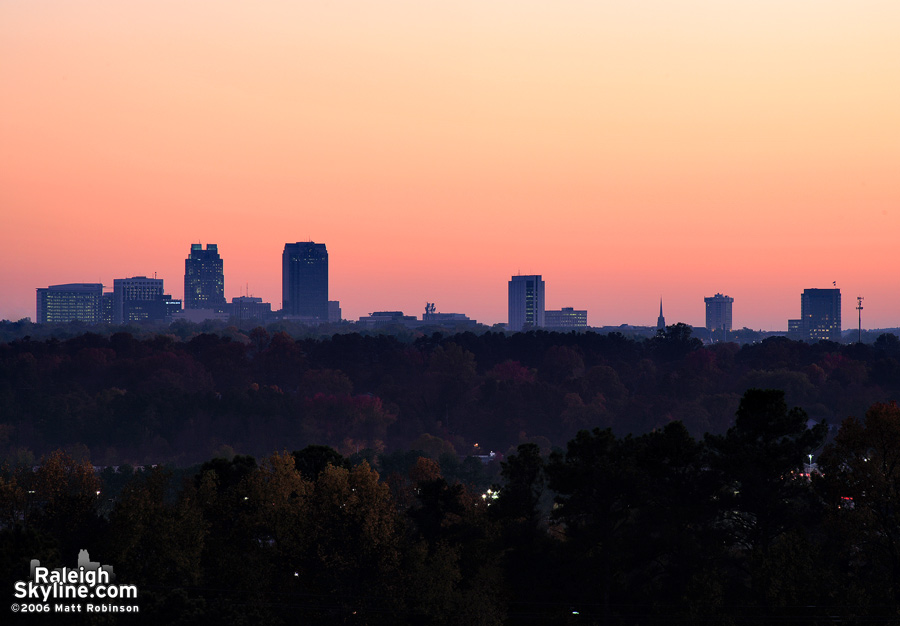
(820,314)
(72,302)
(388,318)
(304,276)
(526,302)
(249,308)
(718,313)
(334,311)
(142,299)
(204,278)
(566,317)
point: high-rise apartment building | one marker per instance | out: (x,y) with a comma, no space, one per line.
(72,302)
(820,314)
(304,280)
(141,299)
(718,313)
(526,302)
(204,278)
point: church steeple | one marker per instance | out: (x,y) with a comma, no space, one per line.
(661,321)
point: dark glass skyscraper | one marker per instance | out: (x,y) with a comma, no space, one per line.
(304,280)
(526,302)
(204,278)
(820,314)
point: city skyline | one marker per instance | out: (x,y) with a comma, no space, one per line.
(625,153)
(305,274)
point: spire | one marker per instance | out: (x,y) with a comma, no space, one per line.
(661,321)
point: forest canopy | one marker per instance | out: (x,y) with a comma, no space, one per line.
(159,398)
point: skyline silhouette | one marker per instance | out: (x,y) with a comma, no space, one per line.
(622,152)
(305,276)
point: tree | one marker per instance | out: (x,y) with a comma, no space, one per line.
(597,483)
(861,485)
(675,544)
(352,553)
(65,495)
(759,458)
(674,342)
(764,495)
(524,481)
(313,459)
(157,542)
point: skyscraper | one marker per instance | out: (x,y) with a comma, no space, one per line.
(718,313)
(526,302)
(204,278)
(304,280)
(820,314)
(72,302)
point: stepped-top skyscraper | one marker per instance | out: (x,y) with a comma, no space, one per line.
(526,302)
(204,278)
(304,280)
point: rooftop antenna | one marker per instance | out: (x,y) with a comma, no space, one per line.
(859,308)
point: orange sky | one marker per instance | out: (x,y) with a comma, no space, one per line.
(624,152)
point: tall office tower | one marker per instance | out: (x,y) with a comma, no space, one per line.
(204,278)
(140,299)
(526,302)
(304,280)
(820,314)
(661,320)
(72,302)
(718,313)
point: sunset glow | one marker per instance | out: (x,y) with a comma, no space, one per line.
(626,153)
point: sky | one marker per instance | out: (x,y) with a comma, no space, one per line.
(625,151)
